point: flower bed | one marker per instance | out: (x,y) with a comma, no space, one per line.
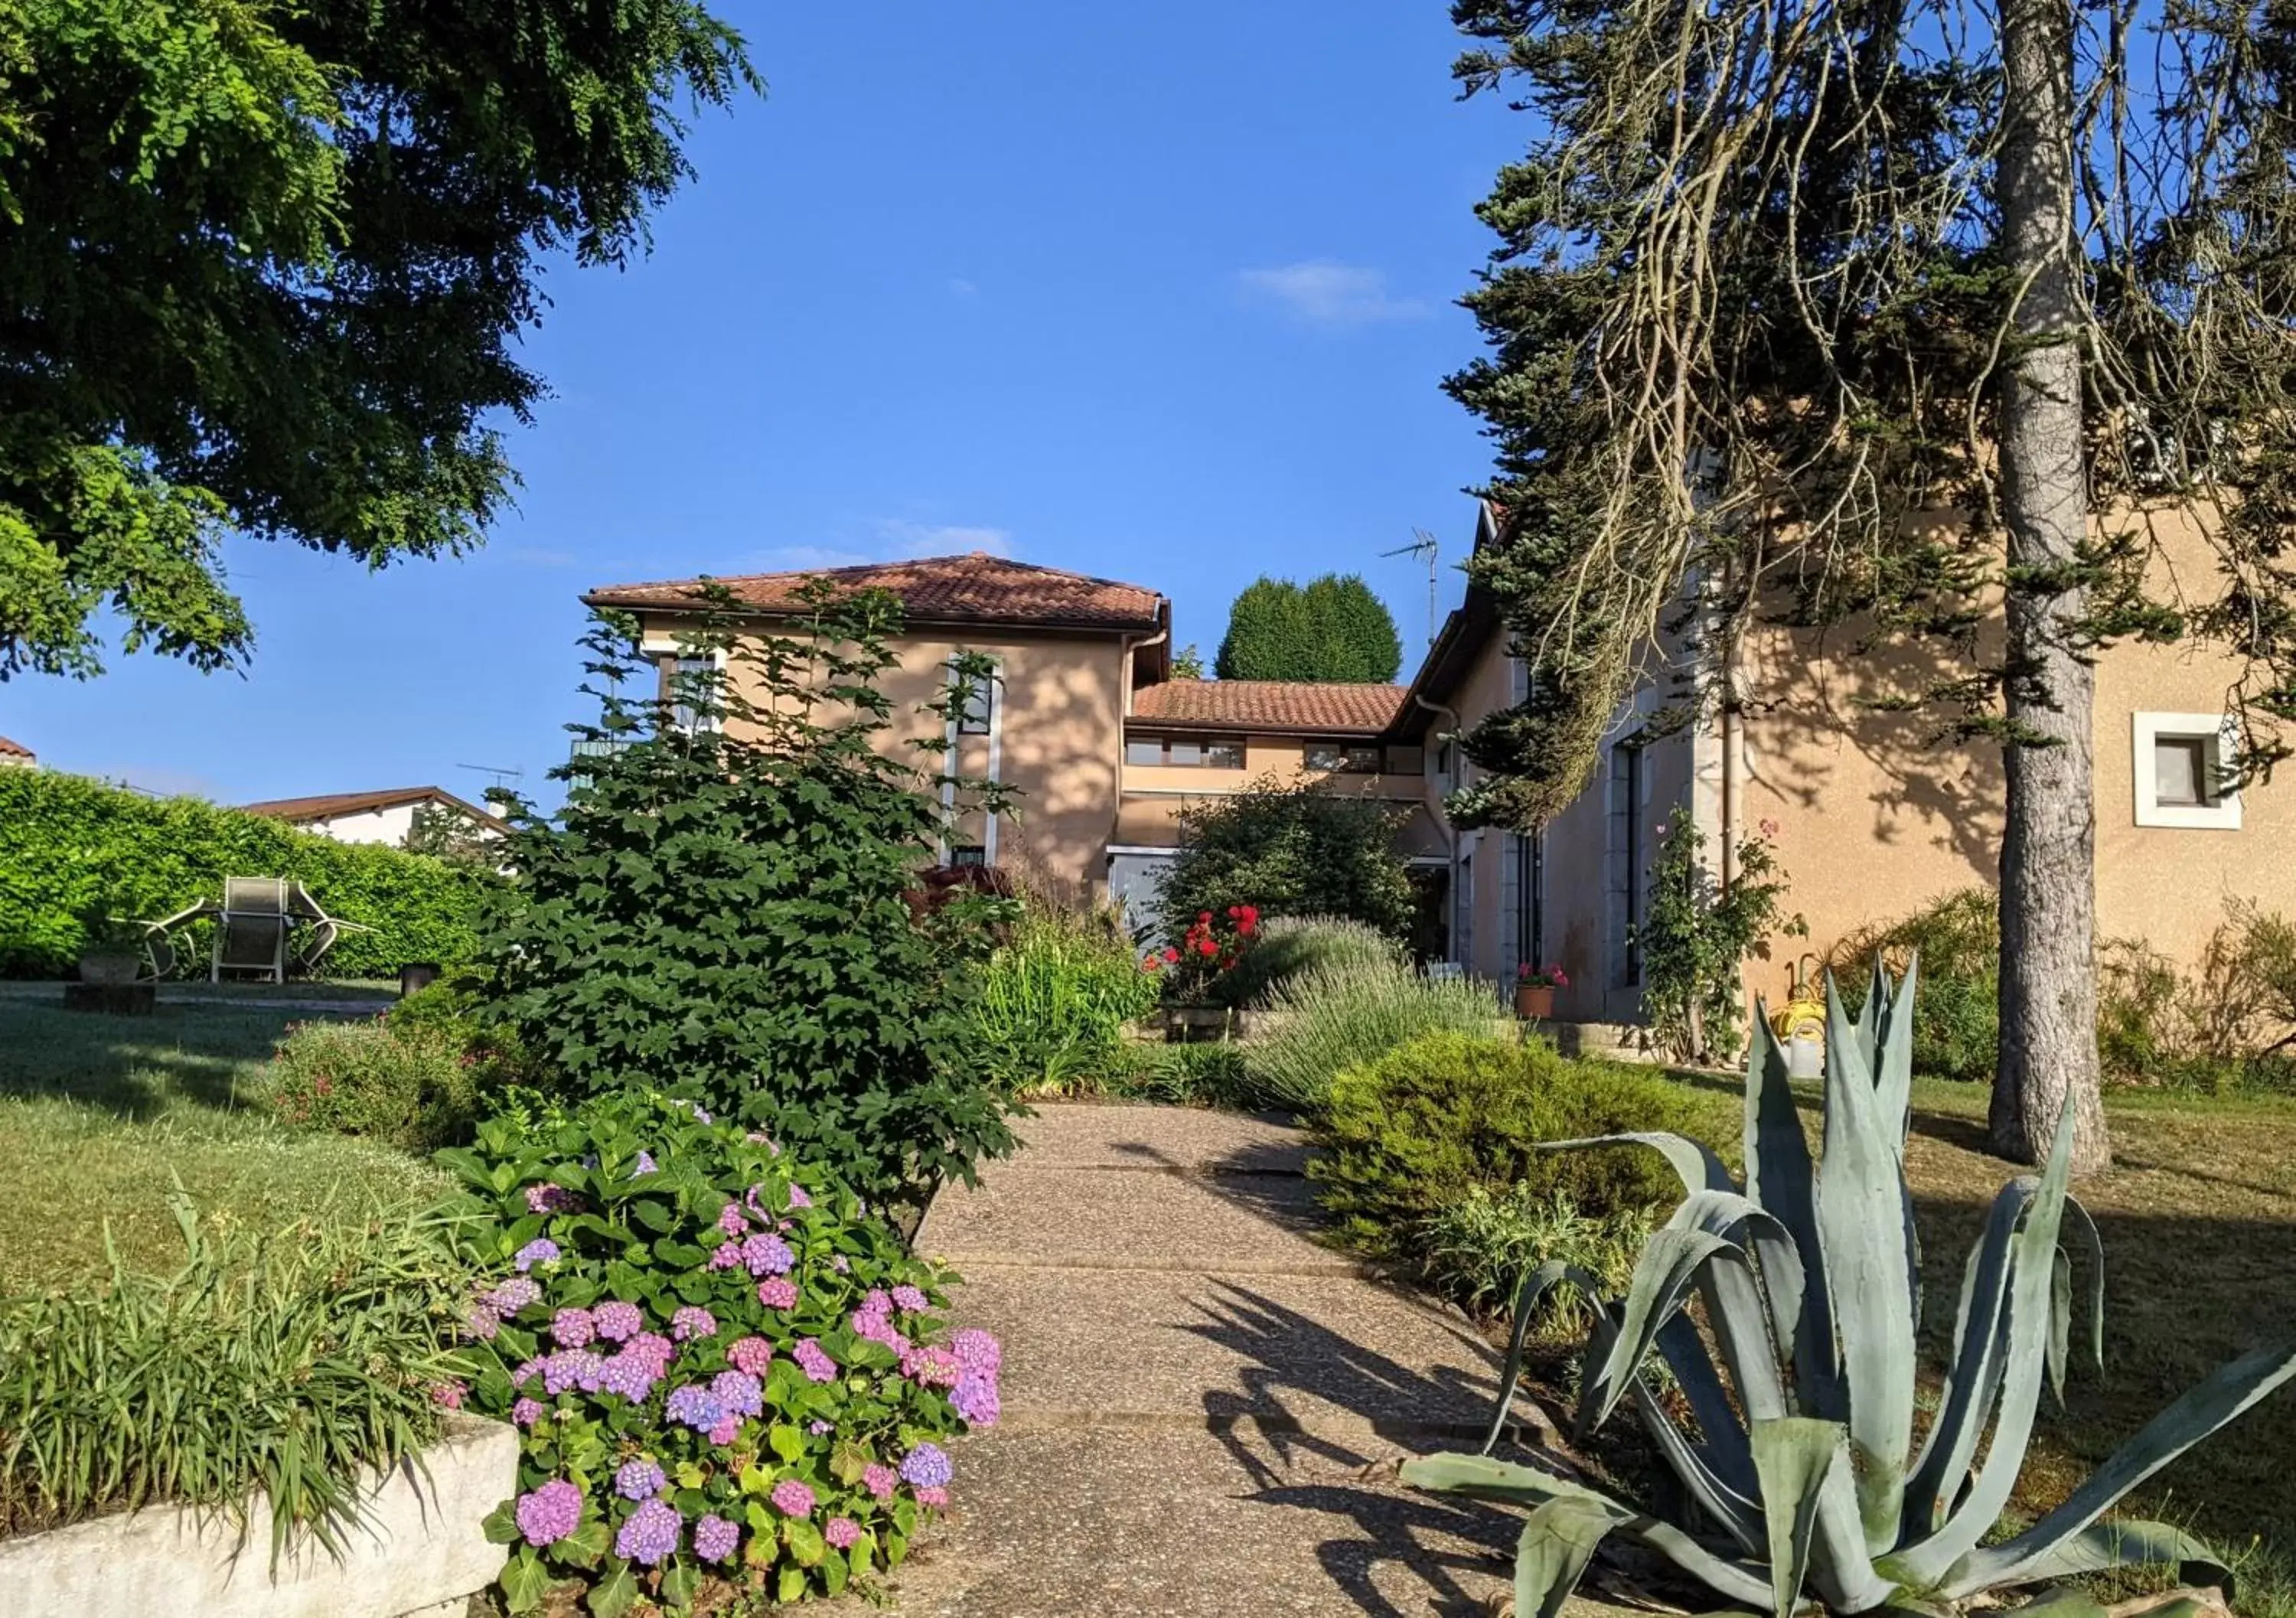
(727,1372)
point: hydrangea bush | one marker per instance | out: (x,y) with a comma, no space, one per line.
(724,1367)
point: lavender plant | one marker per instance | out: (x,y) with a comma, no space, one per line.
(724,1367)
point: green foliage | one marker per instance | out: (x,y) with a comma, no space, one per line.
(1202,1073)
(1697,938)
(417,1084)
(636,1198)
(1290,851)
(70,847)
(287,1362)
(1329,1019)
(1407,1135)
(1806,1356)
(1332,628)
(2226,1026)
(1479,1248)
(445,834)
(1188,663)
(723,911)
(1054,1003)
(1957,939)
(1287,947)
(265,268)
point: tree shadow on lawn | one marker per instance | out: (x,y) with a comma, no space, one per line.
(138,1067)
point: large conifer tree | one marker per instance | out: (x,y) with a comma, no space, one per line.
(1776,276)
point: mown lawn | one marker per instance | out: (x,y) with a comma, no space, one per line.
(100,1118)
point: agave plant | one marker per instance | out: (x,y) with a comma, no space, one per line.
(1799,1452)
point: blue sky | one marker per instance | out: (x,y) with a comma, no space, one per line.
(1162,294)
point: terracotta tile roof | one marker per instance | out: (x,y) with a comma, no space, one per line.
(328,806)
(1283,705)
(10,748)
(975,588)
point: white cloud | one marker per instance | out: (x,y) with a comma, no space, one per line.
(1324,293)
(960,287)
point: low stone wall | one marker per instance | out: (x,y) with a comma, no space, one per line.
(420,1551)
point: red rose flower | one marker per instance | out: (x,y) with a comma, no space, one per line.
(1172,956)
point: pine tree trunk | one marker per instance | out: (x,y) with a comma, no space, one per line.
(2048,889)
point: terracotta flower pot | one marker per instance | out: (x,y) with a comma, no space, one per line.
(1534,1005)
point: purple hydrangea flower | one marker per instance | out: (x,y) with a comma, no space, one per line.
(909,1299)
(818,1426)
(840,1263)
(751,1354)
(639,1480)
(692,1405)
(526,1412)
(524,1372)
(650,1533)
(976,1400)
(644,1165)
(572,1328)
(767,1254)
(841,1533)
(549,1514)
(730,1221)
(794,1498)
(798,1198)
(715,1538)
(481,1323)
(512,1295)
(618,1322)
(551,1199)
(813,1360)
(976,1351)
(727,1256)
(776,1292)
(631,1375)
(928,1466)
(542,1250)
(690,1322)
(738,1392)
(879,1480)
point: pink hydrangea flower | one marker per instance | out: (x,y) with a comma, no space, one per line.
(726,1255)
(549,1514)
(879,1480)
(726,1432)
(730,1221)
(447,1395)
(798,1198)
(526,1412)
(932,1494)
(777,1291)
(932,1368)
(751,1354)
(794,1498)
(689,1323)
(976,1351)
(572,1328)
(813,1360)
(618,1322)
(551,1199)
(841,1533)
(910,1300)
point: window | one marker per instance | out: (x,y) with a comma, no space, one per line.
(689,689)
(1443,762)
(980,702)
(2184,766)
(1627,853)
(1180,754)
(968,854)
(1352,760)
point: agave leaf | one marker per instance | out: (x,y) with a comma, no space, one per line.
(1736,1508)
(1737,1300)
(1974,1375)
(1780,1177)
(1861,1216)
(2205,1407)
(1669,1264)
(2032,1261)
(1893,1087)
(2083,1228)
(2061,1322)
(1534,1287)
(2123,1542)
(1557,1542)
(1696,1164)
(1479,1477)
(1794,1457)
(1726,1448)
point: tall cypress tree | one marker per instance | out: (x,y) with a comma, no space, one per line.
(1775,278)
(1330,629)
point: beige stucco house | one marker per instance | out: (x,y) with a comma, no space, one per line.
(386,815)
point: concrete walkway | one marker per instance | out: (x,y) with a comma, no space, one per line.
(1192,1388)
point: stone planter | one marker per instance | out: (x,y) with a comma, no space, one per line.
(420,1549)
(1534,1004)
(108,966)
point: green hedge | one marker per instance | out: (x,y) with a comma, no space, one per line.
(69,845)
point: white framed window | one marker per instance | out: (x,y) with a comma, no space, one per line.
(979,703)
(685,684)
(2184,765)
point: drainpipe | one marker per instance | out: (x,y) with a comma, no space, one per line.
(1131,646)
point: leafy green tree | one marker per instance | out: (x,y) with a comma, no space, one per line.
(1332,628)
(1289,851)
(722,910)
(1898,315)
(1699,936)
(261,270)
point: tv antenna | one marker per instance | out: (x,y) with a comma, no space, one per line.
(1423,544)
(503,774)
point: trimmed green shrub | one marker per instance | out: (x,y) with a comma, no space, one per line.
(723,1366)
(1333,1017)
(1957,1017)
(723,907)
(71,848)
(409,1084)
(287,1363)
(1053,1001)
(1477,1249)
(1288,946)
(2226,1025)
(1331,628)
(1410,1134)
(1205,1072)
(1300,850)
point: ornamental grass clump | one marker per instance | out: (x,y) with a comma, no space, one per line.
(1801,1458)
(732,1379)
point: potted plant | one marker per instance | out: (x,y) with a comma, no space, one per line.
(1534,990)
(111,950)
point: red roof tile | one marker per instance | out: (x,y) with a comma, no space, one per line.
(1282,705)
(975,588)
(327,806)
(13,749)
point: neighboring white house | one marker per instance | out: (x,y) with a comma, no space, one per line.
(378,816)
(16,752)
